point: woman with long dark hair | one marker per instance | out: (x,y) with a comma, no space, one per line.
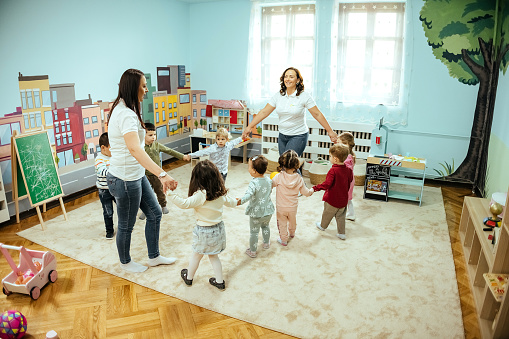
(126,177)
(290,103)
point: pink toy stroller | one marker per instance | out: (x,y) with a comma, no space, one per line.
(27,260)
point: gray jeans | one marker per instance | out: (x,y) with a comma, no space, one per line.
(255,224)
(330,212)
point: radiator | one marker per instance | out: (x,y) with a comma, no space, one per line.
(318,141)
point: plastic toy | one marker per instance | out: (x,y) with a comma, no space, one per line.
(24,277)
(13,324)
(27,259)
(273,174)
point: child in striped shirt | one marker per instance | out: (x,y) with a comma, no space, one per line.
(102,163)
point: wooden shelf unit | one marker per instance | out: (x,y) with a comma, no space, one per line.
(481,256)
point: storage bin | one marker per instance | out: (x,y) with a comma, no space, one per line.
(318,171)
(272,157)
(305,167)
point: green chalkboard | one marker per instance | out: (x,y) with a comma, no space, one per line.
(22,189)
(38,170)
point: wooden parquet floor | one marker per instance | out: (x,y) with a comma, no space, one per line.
(87,303)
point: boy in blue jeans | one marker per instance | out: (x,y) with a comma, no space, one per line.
(102,163)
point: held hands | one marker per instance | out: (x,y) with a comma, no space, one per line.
(168,183)
(186,157)
(239,201)
(245,134)
(333,136)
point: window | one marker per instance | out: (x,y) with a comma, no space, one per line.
(86,121)
(68,127)
(157,117)
(23,99)
(69,136)
(27,124)
(203,112)
(63,128)
(162,104)
(195,113)
(55,112)
(157,105)
(163,73)
(96,133)
(66,114)
(38,119)
(98,148)
(164,115)
(46,99)
(57,129)
(194,98)
(94,118)
(32,120)
(88,135)
(58,140)
(51,135)
(48,118)
(174,105)
(30,102)
(54,93)
(184,98)
(37,98)
(188,117)
(287,38)
(367,58)
(174,114)
(203,98)
(64,138)
(6,132)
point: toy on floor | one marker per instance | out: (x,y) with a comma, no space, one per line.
(273,174)
(24,277)
(13,324)
(29,260)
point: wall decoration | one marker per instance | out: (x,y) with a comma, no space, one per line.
(470,38)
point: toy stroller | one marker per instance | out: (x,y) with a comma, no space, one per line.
(34,279)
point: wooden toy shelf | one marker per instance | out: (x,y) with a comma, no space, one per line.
(481,257)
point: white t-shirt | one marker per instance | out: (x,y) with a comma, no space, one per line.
(291,110)
(122,164)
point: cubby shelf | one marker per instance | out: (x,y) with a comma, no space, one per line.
(481,256)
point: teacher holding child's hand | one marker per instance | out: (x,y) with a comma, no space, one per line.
(290,104)
(126,177)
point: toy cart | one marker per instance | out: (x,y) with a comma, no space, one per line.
(27,258)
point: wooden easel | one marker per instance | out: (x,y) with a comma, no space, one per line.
(15,194)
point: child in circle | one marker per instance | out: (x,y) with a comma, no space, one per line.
(207,195)
(260,208)
(347,138)
(219,152)
(102,165)
(289,184)
(336,186)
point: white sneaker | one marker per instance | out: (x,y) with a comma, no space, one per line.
(165,210)
(142,216)
(341,236)
(350,217)
(319,226)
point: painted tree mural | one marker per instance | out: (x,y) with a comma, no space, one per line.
(471,38)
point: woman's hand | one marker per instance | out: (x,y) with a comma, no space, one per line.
(333,136)
(245,134)
(168,183)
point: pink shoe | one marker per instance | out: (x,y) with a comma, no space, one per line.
(266,246)
(251,253)
(281,242)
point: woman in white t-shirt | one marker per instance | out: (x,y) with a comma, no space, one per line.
(290,103)
(126,176)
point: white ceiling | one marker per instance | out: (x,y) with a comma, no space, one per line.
(198,1)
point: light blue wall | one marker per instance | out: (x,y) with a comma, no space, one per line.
(218,48)
(89,43)
(501,114)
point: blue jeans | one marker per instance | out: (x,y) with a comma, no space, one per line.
(295,142)
(107,202)
(130,196)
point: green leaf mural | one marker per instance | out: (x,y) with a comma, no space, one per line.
(470,38)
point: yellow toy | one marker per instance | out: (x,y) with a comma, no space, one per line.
(273,174)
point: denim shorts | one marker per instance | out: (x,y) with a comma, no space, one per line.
(209,239)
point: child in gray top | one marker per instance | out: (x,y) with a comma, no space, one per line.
(218,152)
(260,208)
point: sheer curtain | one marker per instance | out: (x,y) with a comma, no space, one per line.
(281,34)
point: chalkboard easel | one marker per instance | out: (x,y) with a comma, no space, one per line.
(34,172)
(376,185)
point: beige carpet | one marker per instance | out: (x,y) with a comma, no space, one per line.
(392,278)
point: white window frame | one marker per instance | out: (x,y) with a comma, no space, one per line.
(342,89)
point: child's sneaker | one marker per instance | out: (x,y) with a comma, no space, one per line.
(341,236)
(251,253)
(165,210)
(319,226)
(266,245)
(281,242)
(142,216)
(350,216)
